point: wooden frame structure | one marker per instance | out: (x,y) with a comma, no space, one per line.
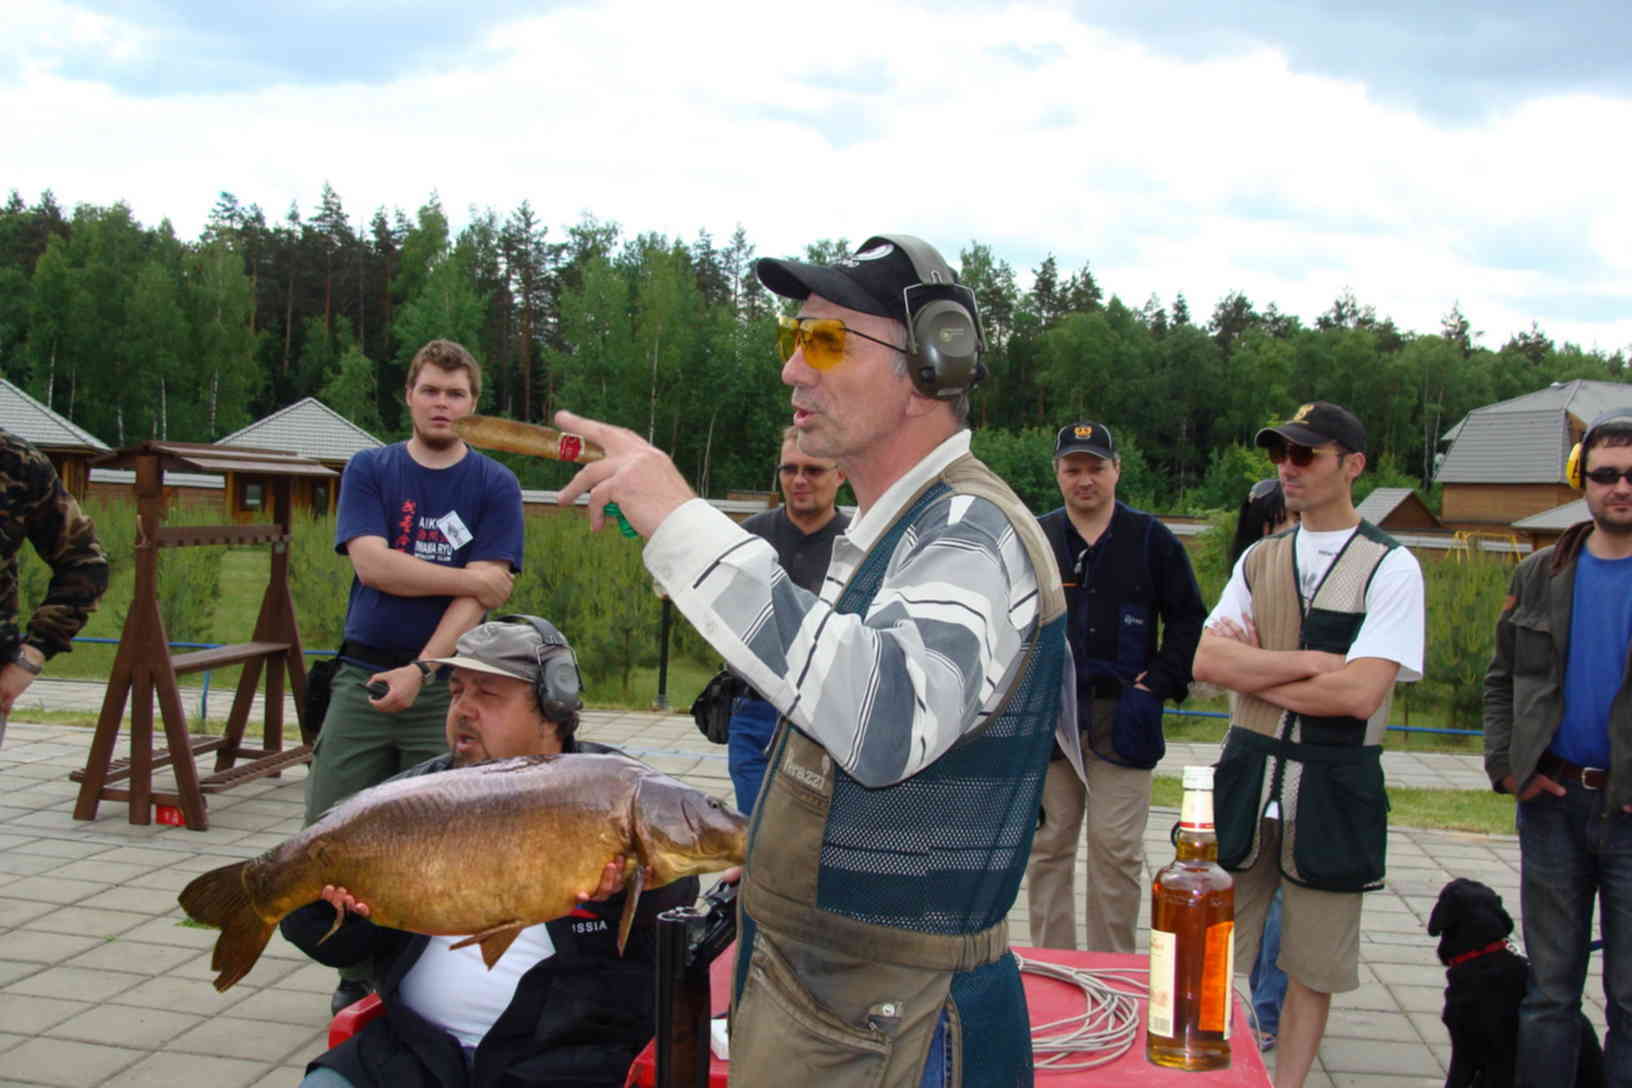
(144,665)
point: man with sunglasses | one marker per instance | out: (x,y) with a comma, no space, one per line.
(1123,572)
(802,531)
(920,693)
(1313,630)
(1558,737)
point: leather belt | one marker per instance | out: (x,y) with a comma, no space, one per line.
(1558,769)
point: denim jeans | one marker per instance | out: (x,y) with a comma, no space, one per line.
(753,721)
(1571,855)
(935,1067)
(1268,980)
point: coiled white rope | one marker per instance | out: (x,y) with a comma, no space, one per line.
(1107,1026)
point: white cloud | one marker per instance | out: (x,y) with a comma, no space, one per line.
(1017,126)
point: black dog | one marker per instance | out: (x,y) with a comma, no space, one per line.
(1485,981)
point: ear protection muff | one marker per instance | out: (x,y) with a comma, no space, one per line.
(944,337)
(1575,466)
(558,680)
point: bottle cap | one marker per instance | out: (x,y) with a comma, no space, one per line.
(1198,778)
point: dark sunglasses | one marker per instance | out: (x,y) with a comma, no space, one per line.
(1606,477)
(821,337)
(1300,456)
(815,472)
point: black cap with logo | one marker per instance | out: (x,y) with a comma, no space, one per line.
(1085,437)
(871,280)
(1316,424)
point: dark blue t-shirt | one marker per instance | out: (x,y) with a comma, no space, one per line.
(453,516)
(1600,632)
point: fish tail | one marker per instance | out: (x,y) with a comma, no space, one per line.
(218,898)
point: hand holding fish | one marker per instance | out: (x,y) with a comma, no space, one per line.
(344,901)
(636,475)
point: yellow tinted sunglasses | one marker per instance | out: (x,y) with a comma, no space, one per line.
(822,339)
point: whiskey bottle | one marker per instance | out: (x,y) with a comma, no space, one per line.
(1192,942)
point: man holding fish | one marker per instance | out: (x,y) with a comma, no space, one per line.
(511,851)
(921,691)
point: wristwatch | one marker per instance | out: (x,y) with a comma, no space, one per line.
(425,668)
(21,660)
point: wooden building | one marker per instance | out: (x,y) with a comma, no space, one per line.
(309,429)
(70,447)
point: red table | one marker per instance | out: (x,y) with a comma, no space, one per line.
(1048,1000)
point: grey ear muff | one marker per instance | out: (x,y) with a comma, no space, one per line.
(944,337)
(558,680)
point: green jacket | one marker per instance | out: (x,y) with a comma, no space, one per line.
(1524,686)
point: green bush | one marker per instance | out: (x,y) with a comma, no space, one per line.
(1464,599)
(319,582)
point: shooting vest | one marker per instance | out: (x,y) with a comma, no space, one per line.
(868,915)
(1325,772)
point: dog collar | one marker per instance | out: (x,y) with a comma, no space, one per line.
(1493,946)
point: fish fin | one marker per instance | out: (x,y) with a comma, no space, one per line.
(339,917)
(493,940)
(637,883)
(218,898)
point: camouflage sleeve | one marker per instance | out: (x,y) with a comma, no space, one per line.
(64,538)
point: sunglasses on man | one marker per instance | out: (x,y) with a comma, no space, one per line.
(1606,476)
(822,339)
(1300,456)
(814,472)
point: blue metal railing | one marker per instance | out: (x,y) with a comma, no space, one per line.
(204,696)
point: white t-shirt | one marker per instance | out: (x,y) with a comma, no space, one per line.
(453,989)
(1395,620)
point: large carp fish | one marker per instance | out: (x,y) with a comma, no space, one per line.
(485,850)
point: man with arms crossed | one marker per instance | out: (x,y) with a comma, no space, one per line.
(1122,570)
(1311,633)
(1558,736)
(920,692)
(433,532)
(801,530)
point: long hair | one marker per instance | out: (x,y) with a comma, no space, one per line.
(1265,505)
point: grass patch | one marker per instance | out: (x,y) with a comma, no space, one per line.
(1483,812)
(190,924)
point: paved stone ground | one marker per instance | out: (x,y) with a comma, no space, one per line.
(101,984)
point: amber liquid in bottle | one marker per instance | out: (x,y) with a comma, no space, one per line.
(1192,943)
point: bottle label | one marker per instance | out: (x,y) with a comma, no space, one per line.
(1216,971)
(1196,813)
(1163,964)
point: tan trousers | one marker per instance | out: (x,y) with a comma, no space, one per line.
(1116,803)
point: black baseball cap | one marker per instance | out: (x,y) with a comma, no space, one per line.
(871,280)
(1085,437)
(1317,423)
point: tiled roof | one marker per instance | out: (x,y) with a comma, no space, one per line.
(1559,517)
(1381,503)
(1525,440)
(27,418)
(308,427)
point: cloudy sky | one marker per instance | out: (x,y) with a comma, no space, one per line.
(1420,155)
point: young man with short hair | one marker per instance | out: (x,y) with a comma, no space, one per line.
(1311,633)
(434,534)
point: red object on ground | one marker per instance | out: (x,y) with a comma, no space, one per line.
(169,815)
(1048,1000)
(350,1020)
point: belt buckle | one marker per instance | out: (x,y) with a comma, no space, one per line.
(1592,775)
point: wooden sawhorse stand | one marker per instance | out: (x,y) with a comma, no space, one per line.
(144,664)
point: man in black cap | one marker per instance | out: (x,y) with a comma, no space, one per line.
(1122,570)
(919,692)
(1311,633)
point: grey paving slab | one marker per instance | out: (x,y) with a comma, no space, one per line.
(142,1008)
